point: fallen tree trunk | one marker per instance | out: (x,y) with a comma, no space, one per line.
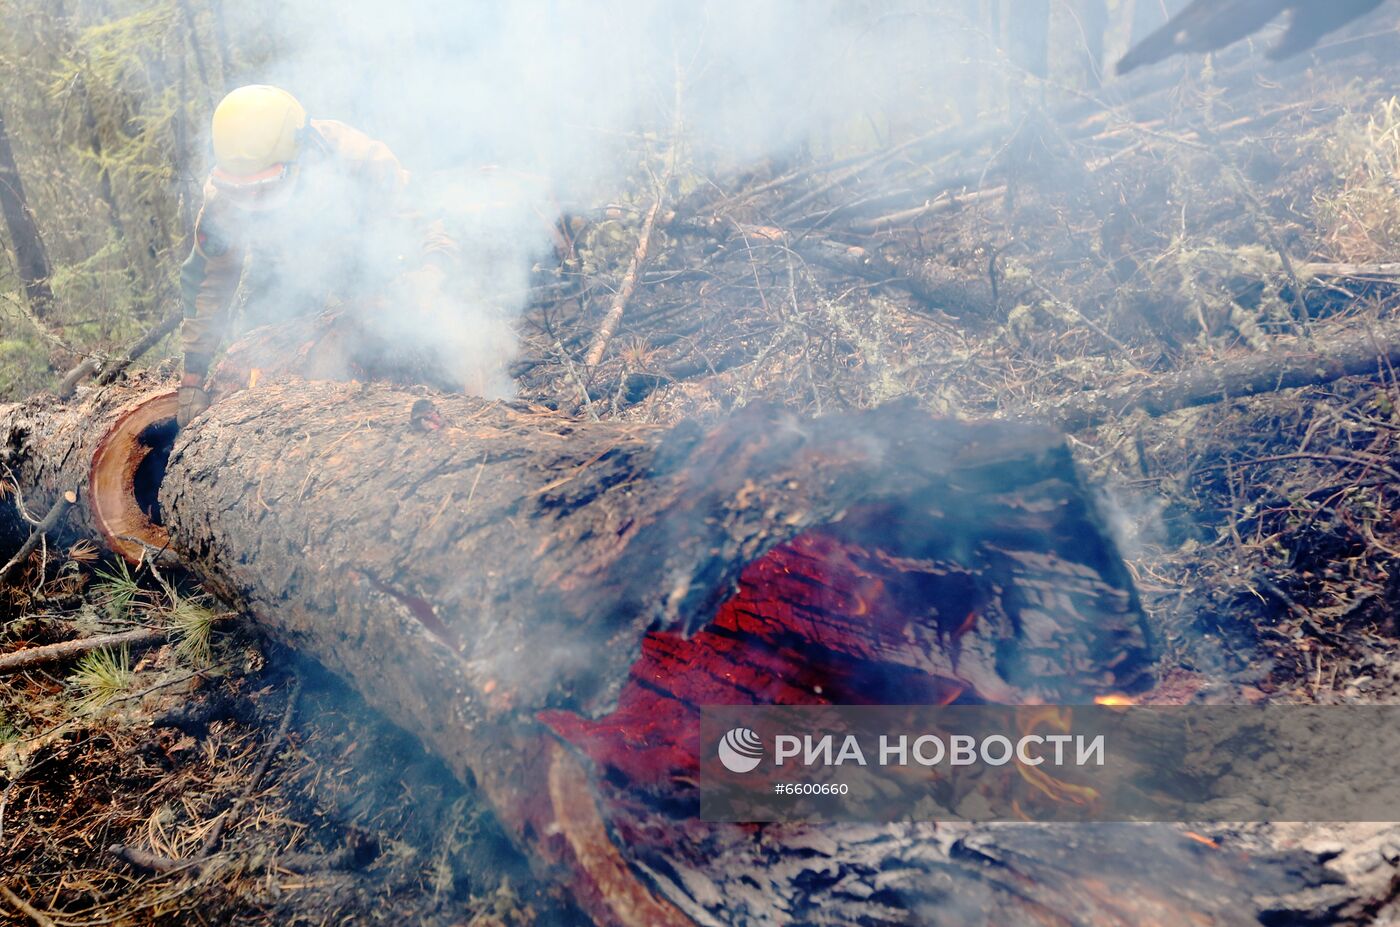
(956,291)
(546,603)
(1374,352)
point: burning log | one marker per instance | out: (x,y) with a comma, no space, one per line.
(531,595)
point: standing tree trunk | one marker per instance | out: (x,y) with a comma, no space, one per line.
(31,260)
(206,85)
(1028,35)
(222,40)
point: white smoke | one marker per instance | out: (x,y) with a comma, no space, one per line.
(506,113)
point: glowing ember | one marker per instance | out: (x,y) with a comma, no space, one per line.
(1114,700)
(254,376)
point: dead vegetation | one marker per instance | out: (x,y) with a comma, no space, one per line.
(1163,232)
(1126,239)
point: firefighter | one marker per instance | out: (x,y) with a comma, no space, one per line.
(313,208)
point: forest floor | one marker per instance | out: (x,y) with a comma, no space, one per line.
(984,272)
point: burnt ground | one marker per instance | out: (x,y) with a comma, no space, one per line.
(1105,239)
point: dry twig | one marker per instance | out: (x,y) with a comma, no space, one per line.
(28,659)
(618,306)
(211,843)
(49,522)
(25,908)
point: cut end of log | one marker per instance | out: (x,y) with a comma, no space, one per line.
(125,476)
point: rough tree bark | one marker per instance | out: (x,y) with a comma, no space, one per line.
(546,602)
(1375,352)
(31,260)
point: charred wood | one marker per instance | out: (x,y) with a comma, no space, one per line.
(331,514)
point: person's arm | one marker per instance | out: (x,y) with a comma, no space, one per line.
(208,280)
(387,184)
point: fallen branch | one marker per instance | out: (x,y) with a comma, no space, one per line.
(1296,610)
(40,531)
(115,368)
(1265,372)
(211,843)
(28,659)
(338,859)
(69,384)
(943,202)
(957,293)
(1354,271)
(624,292)
(27,909)
(639,256)
(111,371)
(147,861)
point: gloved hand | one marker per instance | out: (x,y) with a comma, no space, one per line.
(193,401)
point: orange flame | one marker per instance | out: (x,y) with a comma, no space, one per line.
(1057,719)
(254,376)
(1114,700)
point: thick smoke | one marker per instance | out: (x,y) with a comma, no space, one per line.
(508,113)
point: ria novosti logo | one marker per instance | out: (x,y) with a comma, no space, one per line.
(741,750)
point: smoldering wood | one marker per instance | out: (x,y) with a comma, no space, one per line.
(482,572)
(470,569)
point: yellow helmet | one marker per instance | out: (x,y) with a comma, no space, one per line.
(256,128)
